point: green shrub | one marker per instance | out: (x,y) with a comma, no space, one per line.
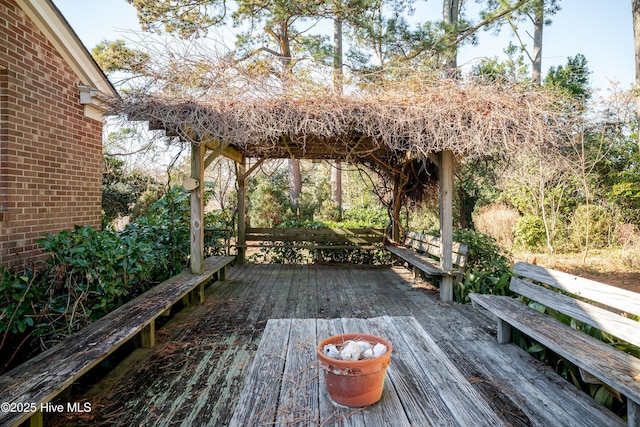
(488,268)
(425,219)
(329,211)
(16,291)
(599,223)
(268,205)
(374,217)
(89,273)
(529,233)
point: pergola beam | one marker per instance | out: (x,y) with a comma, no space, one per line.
(232,154)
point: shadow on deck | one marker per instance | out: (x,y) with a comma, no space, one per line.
(196,371)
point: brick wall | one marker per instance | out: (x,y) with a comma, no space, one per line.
(50,154)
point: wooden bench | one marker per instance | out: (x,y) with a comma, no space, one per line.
(422,252)
(39,380)
(592,303)
(315,239)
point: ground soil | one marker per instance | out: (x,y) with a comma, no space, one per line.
(612,267)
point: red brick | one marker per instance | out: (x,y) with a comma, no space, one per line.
(47,144)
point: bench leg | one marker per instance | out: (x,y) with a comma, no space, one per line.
(633,413)
(196,296)
(222,274)
(446,288)
(148,335)
(36,420)
(504,332)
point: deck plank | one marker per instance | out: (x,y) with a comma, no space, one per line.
(231,322)
(298,401)
(256,406)
(389,410)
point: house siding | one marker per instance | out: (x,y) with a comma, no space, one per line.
(50,153)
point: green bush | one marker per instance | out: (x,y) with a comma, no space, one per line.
(89,273)
(166,228)
(488,268)
(269,206)
(529,233)
(15,289)
(329,211)
(599,223)
(374,217)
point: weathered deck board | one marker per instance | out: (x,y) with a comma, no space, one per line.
(268,366)
(300,406)
(227,328)
(421,378)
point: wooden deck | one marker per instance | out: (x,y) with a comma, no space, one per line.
(286,386)
(196,372)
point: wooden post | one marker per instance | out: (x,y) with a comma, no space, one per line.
(196,296)
(241,241)
(36,420)
(395,220)
(148,335)
(504,332)
(197,209)
(633,413)
(446,223)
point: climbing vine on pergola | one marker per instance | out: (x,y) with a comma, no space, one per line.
(407,130)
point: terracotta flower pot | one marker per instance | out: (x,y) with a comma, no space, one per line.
(354,383)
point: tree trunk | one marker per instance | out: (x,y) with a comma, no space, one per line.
(337,55)
(336,170)
(295,176)
(451,10)
(336,186)
(295,183)
(635,6)
(538,26)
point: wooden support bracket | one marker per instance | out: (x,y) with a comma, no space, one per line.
(148,335)
(196,296)
(504,332)
(36,420)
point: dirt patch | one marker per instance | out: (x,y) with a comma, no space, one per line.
(606,266)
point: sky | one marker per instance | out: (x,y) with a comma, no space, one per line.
(601,30)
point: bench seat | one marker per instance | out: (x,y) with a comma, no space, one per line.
(422,262)
(422,252)
(45,376)
(587,302)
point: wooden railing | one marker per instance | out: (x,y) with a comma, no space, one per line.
(291,244)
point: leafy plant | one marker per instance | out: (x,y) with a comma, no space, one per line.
(488,268)
(89,273)
(529,232)
(593,222)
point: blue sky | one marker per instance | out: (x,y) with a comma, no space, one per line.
(601,30)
